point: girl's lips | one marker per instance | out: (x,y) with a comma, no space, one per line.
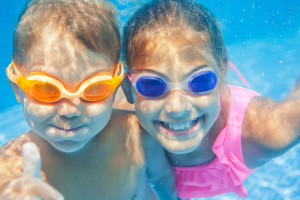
(181,129)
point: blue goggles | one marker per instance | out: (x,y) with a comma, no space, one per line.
(153,87)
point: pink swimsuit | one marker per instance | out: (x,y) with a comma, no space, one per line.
(227,171)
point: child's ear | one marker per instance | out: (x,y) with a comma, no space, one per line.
(16,90)
(127,89)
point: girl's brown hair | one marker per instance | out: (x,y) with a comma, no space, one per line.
(145,29)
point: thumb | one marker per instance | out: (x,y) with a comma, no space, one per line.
(31,160)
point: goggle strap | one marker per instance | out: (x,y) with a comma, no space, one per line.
(23,83)
(119,73)
(14,69)
(118,78)
(130,77)
(10,72)
(117,70)
(238,73)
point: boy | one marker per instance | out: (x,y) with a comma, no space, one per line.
(65,72)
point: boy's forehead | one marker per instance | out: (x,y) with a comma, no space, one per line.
(63,56)
(71,69)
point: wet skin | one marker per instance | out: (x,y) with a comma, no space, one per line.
(180,119)
(187,124)
(83,154)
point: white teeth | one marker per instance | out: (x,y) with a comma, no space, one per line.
(180,126)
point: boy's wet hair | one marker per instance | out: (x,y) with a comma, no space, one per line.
(91,23)
(185,17)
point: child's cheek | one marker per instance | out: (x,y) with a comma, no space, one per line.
(97,109)
(148,107)
(97,114)
(208,100)
(36,111)
(213,106)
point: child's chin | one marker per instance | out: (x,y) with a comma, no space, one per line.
(68,146)
(181,150)
(180,146)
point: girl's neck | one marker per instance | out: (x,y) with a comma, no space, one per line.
(204,154)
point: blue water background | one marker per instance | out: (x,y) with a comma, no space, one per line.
(263,41)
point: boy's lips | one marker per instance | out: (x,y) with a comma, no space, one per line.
(178,129)
(68,142)
(69,129)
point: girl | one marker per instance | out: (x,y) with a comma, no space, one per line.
(65,73)
(215,134)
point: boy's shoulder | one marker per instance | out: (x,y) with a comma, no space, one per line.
(128,121)
(11,160)
(127,124)
(124,121)
(122,115)
(14,146)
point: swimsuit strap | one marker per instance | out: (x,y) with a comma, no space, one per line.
(238,73)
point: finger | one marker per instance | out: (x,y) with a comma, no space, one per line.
(18,197)
(42,189)
(11,194)
(32,160)
(30,186)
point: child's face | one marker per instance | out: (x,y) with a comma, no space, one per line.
(179,120)
(68,124)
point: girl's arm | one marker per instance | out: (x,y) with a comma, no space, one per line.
(270,128)
(159,171)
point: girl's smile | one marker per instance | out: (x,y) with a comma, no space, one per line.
(179,119)
(180,130)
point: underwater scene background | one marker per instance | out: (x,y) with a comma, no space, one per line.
(263,41)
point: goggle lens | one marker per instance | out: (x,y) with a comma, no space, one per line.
(44,92)
(151,86)
(97,91)
(47,89)
(203,82)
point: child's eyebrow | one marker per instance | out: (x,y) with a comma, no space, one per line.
(147,70)
(152,71)
(195,69)
(158,73)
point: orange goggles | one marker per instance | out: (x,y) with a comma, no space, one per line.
(47,89)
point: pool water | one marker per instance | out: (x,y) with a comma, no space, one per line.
(263,41)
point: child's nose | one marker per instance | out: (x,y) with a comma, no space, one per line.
(177,105)
(69,108)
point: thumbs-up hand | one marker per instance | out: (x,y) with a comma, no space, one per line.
(30,185)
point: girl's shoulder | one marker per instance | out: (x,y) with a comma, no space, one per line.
(241,92)
(239,100)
